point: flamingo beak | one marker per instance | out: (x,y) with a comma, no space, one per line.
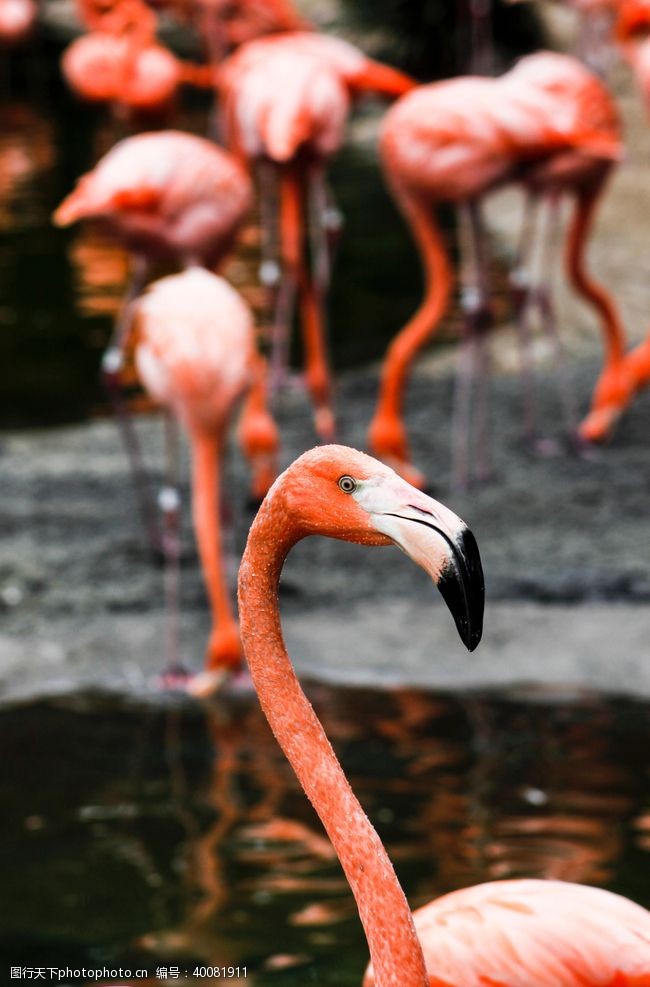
(438,541)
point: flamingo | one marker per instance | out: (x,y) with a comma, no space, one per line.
(551,126)
(285,101)
(524,933)
(164,195)
(195,353)
(17,21)
(633,35)
(120,62)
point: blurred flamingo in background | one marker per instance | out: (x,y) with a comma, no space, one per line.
(633,35)
(525,933)
(120,61)
(548,124)
(284,106)
(17,21)
(165,196)
(195,354)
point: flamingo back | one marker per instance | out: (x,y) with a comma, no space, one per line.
(453,140)
(531,933)
(176,187)
(17,20)
(195,346)
(279,101)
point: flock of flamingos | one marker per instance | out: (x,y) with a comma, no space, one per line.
(283,94)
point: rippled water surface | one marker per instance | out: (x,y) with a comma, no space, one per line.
(181,838)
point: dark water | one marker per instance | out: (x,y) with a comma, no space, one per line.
(181,838)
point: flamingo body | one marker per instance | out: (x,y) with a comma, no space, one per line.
(284,103)
(455,140)
(358,72)
(165,193)
(195,346)
(195,353)
(532,933)
(104,67)
(17,20)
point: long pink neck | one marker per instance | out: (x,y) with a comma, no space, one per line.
(394,947)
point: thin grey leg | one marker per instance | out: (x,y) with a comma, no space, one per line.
(112,367)
(473,368)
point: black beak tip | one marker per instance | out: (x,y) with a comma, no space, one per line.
(462,587)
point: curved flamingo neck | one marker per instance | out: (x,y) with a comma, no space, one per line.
(583,282)
(394,947)
(438,275)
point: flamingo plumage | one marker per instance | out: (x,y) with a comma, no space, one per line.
(196,355)
(512,934)
(548,124)
(17,21)
(165,194)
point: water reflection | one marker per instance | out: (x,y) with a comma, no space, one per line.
(26,155)
(182,838)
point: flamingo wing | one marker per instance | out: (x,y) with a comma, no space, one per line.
(531,933)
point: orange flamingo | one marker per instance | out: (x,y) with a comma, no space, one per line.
(121,63)
(164,195)
(196,355)
(17,21)
(548,124)
(285,101)
(633,35)
(514,933)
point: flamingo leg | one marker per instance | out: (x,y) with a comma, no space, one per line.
(270,270)
(258,433)
(519,280)
(314,286)
(473,369)
(112,367)
(290,248)
(481,41)
(223,653)
(325,225)
(548,316)
(169,503)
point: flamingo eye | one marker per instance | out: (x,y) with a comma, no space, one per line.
(347,484)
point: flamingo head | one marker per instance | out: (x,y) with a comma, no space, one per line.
(341,493)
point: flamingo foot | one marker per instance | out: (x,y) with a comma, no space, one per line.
(598,426)
(174,678)
(223,659)
(212,681)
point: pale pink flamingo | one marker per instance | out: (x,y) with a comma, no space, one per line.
(195,353)
(284,105)
(164,195)
(526,933)
(17,21)
(548,124)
